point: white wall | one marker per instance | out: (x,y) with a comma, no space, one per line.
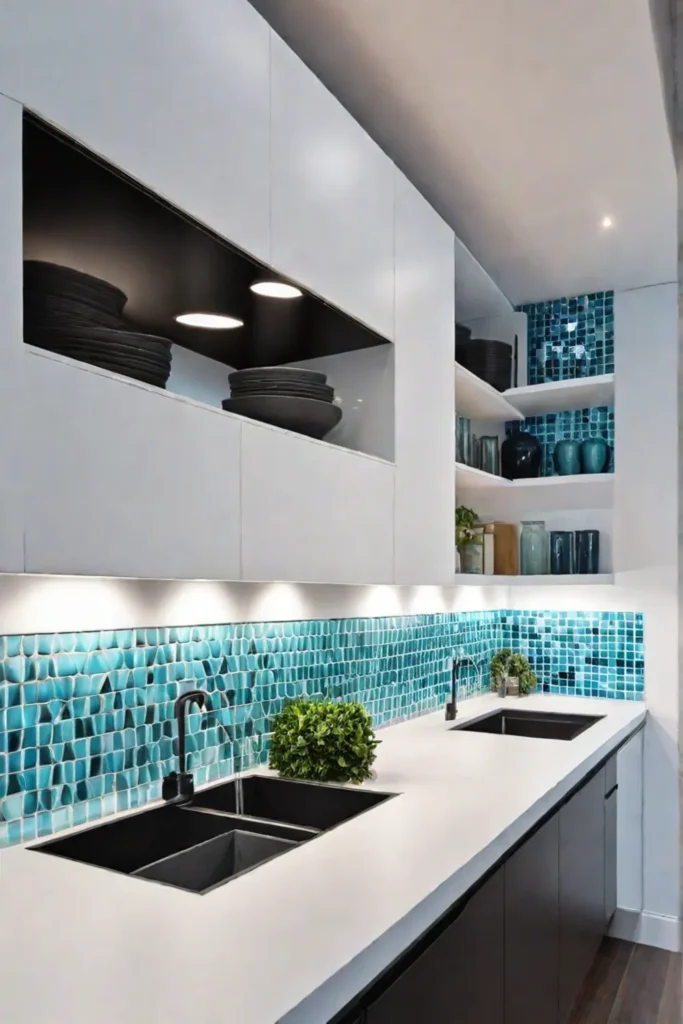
(198,377)
(45,604)
(363,382)
(645,550)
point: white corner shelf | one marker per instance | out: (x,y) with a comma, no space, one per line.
(576,580)
(561,396)
(477,400)
(477,479)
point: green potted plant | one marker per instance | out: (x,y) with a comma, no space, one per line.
(323,741)
(468,539)
(512,674)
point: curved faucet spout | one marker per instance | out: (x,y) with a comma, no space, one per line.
(178,787)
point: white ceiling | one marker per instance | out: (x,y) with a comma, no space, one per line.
(524,122)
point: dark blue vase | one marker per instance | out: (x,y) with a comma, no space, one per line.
(594,455)
(520,456)
(567,458)
(587,551)
(561,552)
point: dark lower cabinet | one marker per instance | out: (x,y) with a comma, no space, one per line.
(520,947)
(611,787)
(532,913)
(459,976)
(582,887)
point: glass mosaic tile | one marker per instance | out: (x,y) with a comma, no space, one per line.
(575,425)
(86,719)
(570,337)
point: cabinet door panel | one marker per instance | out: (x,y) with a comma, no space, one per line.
(332,199)
(425,442)
(314,513)
(532,891)
(187,112)
(582,886)
(459,976)
(610,856)
(125,480)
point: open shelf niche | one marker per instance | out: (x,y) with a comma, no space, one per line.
(83,213)
(562,502)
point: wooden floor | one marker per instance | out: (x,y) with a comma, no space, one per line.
(631,984)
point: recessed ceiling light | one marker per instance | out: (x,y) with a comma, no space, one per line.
(606,222)
(276,289)
(214,321)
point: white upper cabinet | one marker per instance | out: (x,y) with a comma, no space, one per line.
(175,93)
(332,197)
(314,513)
(11,348)
(425,435)
(124,480)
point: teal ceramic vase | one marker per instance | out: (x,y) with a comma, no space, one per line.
(594,455)
(567,458)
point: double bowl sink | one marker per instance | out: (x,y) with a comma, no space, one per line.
(222,833)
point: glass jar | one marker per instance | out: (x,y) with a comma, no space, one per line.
(535,550)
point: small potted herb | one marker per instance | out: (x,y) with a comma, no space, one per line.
(323,741)
(468,539)
(512,674)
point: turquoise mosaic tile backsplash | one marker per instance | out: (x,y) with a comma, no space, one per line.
(570,337)
(86,719)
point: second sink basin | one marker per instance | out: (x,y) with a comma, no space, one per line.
(306,804)
(204,867)
(538,724)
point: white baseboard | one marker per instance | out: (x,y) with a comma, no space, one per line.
(648,929)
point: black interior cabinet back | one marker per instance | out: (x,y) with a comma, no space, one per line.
(582,886)
(459,976)
(532,909)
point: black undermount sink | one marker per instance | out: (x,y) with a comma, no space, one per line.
(306,804)
(545,725)
(200,846)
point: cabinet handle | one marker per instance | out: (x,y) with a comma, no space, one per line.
(612,791)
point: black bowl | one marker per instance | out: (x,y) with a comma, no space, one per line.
(321,392)
(279,373)
(302,415)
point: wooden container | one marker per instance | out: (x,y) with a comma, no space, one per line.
(506,549)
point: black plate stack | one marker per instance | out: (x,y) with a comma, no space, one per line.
(285,396)
(77,315)
(489,360)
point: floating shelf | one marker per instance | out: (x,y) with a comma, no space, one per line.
(576,580)
(542,493)
(477,400)
(477,479)
(558,396)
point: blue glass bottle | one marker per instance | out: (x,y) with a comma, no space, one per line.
(561,552)
(534,549)
(587,551)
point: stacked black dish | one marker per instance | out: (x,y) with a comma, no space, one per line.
(299,400)
(81,316)
(489,360)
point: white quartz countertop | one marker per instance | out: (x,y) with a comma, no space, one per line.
(296,938)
